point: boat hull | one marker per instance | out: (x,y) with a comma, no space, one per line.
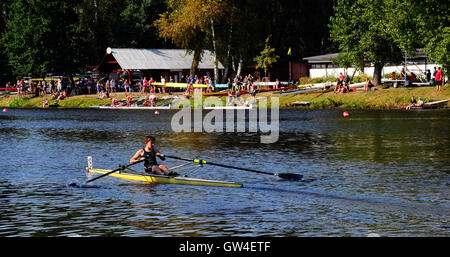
(159,179)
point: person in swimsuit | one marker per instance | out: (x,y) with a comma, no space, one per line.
(149,153)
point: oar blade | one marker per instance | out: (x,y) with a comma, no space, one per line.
(290,176)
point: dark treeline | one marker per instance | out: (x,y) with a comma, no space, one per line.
(71,36)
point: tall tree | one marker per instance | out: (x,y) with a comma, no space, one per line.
(360,29)
(421,24)
(188,23)
(267,57)
(5,69)
(43,36)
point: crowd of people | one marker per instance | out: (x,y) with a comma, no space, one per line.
(436,78)
(60,89)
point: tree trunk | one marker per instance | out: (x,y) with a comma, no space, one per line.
(240,66)
(195,62)
(378,67)
(216,69)
(228,63)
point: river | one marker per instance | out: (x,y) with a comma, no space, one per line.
(374,172)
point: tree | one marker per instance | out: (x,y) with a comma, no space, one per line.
(266,58)
(360,29)
(43,36)
(187,22)
(421,24)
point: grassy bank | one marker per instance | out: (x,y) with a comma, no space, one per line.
(28,101)
(391,98)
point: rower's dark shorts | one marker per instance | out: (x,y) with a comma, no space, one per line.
(149,170)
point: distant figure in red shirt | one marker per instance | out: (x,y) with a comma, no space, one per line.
(439,80)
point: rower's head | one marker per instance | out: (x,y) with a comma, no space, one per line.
(150,140)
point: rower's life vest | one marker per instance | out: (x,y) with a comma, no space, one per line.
(150,159)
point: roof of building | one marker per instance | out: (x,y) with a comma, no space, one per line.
(320,58)
(326,58)
(159,59)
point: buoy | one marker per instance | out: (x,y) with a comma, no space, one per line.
(5,110)
(156,112)
(345,114)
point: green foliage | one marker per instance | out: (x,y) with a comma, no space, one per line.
(360,29)
(381,31)
(421,24)
(42,36)
(267,57)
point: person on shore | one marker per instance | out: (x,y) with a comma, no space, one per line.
(44,103)
(89,86)
(368,85)
(252,93)
(149,153)
(152,86)
(59,86)
(419,102)
(229,83)
(129,98)
(44,88)
(144,86)
(414,103)
(113,86)
(341,78)
(438,79)
(108,87)
(99,87)
(230,97)
(126,87)
(338,87)
(428,75)
(163,85)
(433,77)
(277,84)
(150,100)
(345,87)
(170,88)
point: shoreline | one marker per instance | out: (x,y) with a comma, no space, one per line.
(380,99)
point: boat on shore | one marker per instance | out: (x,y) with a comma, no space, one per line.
(124,107)
(243,92)
(429,105)
(230,107)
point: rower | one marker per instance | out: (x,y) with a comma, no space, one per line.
(149,153)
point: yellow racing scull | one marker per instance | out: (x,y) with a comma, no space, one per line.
(159,179)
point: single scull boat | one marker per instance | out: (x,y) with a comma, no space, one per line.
(160,179)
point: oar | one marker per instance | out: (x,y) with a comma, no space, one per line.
(120,168)
(288,176)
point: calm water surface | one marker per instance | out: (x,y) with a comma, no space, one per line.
(384,172)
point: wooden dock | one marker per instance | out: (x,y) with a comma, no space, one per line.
(436,103)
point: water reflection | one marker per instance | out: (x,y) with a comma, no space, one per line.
(381,172)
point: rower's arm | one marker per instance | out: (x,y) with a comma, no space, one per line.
(160,155)
(136,156)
